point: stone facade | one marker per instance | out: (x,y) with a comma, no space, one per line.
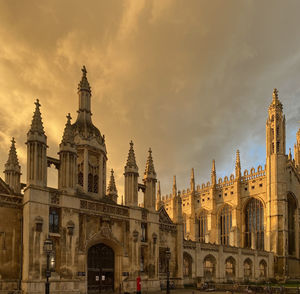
(232,230)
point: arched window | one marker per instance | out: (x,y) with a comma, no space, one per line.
(80,179)
(96,184)
(202,225)
(248,269)
(262,269)
(225,224)
(90,183)
(209,267)
(54,220)
(230,268)
(254,224)
(292,206)
(187,265)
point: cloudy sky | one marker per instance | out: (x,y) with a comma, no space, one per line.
(190,79)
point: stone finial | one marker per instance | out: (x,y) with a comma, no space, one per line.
(213,173)
(192,182)
(37,124)
(12,156)
(158,192)
(84,84)
(112,189)
(290,154)
(275,94)
(149,170)
(238,172)
(131,163)
(68,136)
(174,186)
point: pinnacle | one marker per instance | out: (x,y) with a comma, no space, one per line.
(12,156)
(131,163)
(213,166)
(37,124)
(84,84)
(149,170)
(112,189)
(68,136)
(237,156)
(275,94)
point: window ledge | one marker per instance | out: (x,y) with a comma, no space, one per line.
(54,235)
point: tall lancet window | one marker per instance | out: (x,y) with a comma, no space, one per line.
(292,206)
(202,225)
(225,224)
(93,179)
(254,224)
(80,174)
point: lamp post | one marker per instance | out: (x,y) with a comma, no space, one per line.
(168,257)
(48,248)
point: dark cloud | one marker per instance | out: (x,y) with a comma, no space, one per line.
(192,80)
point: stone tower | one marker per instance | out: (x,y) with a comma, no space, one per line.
(131,179)
(90,145)
(276,230)
(13,169)
(37,151)
(150,183)
(67,178)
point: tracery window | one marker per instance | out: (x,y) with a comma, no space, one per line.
(90,183)
(144,232)
(225,224)
(292,205)
(230,268)
(187,265)
(247,268)
(202,225)
(254,224)
(262,269)
(209,267)
(54,220)
(93,179)
(80,174)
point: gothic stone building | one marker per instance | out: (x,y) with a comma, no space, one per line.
(242,228)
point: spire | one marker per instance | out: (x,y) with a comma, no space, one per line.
(37,124)
(275,94)
(84,84)
(275,100)
(238,172)
(12,156)
(68,136)
(192,180)
(149,170)
(174,187)
(213,173)
(290,154)
(131,163)
(112,189)
(158,192)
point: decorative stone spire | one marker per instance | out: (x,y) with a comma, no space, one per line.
(12,156)
(290,154)
(112,184)
(68,136)
(213,173)
(275,100)
(131,163)
(12,168)
(174,187)
(149,170)
(159,202)
(192,180)
(238,172)
(84,84)
(37,124)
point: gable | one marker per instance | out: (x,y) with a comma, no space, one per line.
(164,217)
(4,188)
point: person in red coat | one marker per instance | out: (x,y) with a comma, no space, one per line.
(138,285)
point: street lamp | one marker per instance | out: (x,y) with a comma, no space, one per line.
(48,248)
(168,257)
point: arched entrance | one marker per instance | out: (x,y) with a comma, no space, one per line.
(101,261)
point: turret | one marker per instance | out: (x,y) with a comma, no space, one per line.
(131,179)
(90,145)
(112,192)
(238,172)
(213,174)
(150,183)
(174,187)
(159,202)
(13,169)
(37,151)
(297,149)
(192,181)
(67,176)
